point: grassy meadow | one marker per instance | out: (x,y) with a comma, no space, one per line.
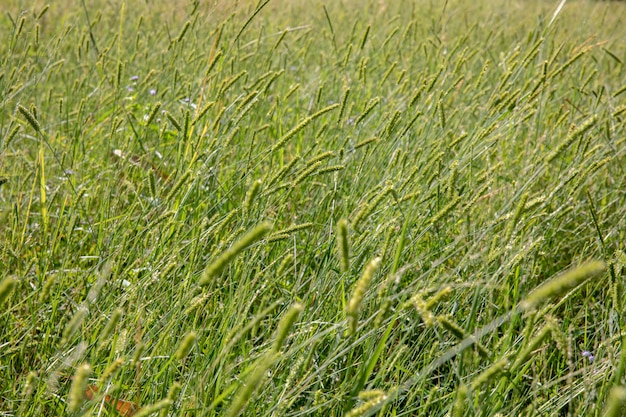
(299,208)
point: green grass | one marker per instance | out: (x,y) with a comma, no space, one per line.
(291,208)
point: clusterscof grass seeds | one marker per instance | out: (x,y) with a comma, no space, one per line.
(198,205)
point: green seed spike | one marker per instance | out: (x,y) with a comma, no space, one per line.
(388,72)
(344,100)
(346,57)
(176,188)
(283,171)
(220,263)
(152,183)
(292,90)
(368,208)
(450,191)
(43,11)
(111,370)
(445,210)
(72,326)
(438,297)
(616,403)
(19,28)
(441,113)
(328,169)
(79,388)
(562,283)
(277,237)
(365,142)
(569,62)
(306,172)
(30,118)
(172,396)
(343,244)
(301,126)
(153,113)
(285,325)
(185,346)
(294,228)
(320,157)
(458,332)
(354,305)
(368,109)
(533,344)
(6,288)
(120,74)
(251,384)
(173,120)
(575,134)
(364,40)
(363,409)
(517,215)
(253,191)
(151,409)
(458,408)
(489,374)
(284,265)
(183,31)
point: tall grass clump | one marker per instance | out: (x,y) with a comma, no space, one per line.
(286,208)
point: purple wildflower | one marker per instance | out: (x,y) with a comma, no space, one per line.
(588,355)
(152,92)
(134,78)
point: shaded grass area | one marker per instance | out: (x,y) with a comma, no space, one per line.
(291,208)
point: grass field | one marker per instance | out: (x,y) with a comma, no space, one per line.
(298,208)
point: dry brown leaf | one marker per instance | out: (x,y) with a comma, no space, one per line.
(123,408)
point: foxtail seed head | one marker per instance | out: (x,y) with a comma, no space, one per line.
(562,283)
(285,324)
(343,244)
(79,387)
(185,346)
(6,288)
(616,402)
(253,191)
(30,118)
(73,325)
(252,382)
(354,305)
(458,408)
(218,265)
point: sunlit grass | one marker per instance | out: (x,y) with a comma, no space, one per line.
(296,208)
